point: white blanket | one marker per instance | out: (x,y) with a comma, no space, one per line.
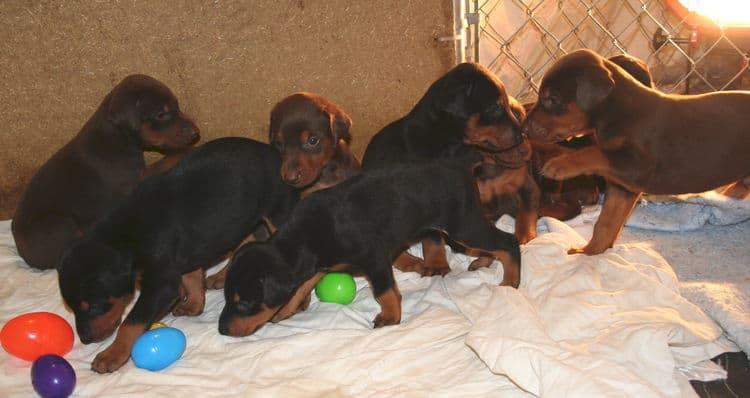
(613,324)
(688,212)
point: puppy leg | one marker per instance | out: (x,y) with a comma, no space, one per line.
(166,163)
(407,263)
(589,160)
(435,262)
(300,300)
(118,353)
(528,210)
(41,242)
(737,190)
(192,294)
(263,229)
(386,293)
(158,293)
(480,237)
(618,204)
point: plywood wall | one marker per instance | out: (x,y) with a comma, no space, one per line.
(228,62)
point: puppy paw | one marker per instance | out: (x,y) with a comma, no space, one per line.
(481,262)
(216,281)
(407,263)
(384,319)
(436,268)
(189,306)
(560,168)
(512,281)
(110,360)
(587,250)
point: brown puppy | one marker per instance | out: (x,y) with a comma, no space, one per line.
(563,199)
(98,168)
(647,141)
(312,135)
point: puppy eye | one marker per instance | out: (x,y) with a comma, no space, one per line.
(163,116)
(244,307)
(553,101)
(312,142)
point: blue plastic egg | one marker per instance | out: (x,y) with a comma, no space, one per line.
(158,348)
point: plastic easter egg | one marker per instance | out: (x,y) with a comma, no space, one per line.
(53,377)
(336,287)
(32,335)
(158,348)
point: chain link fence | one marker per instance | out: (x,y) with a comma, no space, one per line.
(687,53)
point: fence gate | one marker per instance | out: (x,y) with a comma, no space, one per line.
(686,51)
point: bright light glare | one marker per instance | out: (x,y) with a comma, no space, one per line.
(724,12)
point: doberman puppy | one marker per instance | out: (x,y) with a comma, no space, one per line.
(172,227)
(464,112)
(359,226)
(312,135)
(563,199)
(646,141)
(506,183)
(99,167)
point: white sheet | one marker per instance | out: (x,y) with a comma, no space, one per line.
(578,326)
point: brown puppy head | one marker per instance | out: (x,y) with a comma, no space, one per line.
(147,110)
(97,283)
(307,129)
(258,283)
(571,90)
(474,100)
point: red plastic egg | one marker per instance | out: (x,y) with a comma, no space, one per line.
(32,335)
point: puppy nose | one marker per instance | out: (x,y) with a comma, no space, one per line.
(517,136)
(293,176)
(224,328)
(532,129)
(85,339)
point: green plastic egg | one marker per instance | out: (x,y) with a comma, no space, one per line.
(336,287)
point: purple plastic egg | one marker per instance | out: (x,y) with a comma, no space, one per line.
(53,377)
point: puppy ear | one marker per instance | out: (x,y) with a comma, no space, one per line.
(122,110)
(278,286)
(455,100)
(593,86)
(340,124)
(273,126)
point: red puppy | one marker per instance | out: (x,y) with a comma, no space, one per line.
(647,141)
(98,168)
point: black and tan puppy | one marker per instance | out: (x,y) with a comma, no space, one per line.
(505,178)
(360,226)
(168,231)
(462,113)
(98,168)
(312,135)
(646,141)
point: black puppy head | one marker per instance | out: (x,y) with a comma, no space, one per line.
(97,284)
(307,129)
(258,283)
(571,90)
(475,98)
(146,108)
